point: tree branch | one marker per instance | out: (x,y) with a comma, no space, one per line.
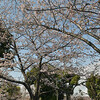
(57,8)
(11,80)
(75,36)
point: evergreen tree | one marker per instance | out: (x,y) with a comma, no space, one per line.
(93,85)
(5,40)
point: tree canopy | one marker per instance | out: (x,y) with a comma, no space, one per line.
(93,85)
(61,33)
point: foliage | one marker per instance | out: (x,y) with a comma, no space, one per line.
(93,85)
(56,84)
(5,40)
(74,80)
(49,93)
(30,77)
(10,91)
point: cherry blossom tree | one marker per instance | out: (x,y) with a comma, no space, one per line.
(29,49)
(48,32)
(77,19)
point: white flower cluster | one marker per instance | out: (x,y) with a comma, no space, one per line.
(7,60)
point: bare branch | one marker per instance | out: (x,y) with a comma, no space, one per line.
(11,80)
(75,36)
(58,8)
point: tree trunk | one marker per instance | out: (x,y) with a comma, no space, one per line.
(68,97)
(38,81)
(36,97)
(32,97)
